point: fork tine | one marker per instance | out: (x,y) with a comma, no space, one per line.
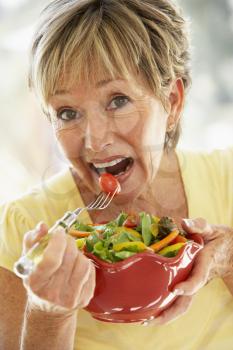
(108,200)
(104,201)
(90,205)
(100,202)
(97,202)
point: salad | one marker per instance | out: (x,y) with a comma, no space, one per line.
(129,234)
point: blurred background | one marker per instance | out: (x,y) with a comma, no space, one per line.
(28,151)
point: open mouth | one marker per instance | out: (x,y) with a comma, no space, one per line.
(116,167)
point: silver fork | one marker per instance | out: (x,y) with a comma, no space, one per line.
(101,202)
(26,263)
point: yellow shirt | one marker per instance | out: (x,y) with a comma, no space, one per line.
(208,325)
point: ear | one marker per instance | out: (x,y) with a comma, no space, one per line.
(175,102)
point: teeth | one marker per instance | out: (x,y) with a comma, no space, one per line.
(105,165)
(101,171)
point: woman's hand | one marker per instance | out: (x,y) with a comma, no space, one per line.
(214,260)
(65,278)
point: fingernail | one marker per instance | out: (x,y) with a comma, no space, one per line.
(178,291)
(38,226)
(189,222)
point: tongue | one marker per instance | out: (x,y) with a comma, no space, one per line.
(118,168)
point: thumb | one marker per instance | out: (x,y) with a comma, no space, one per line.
(34,236)
(198,225)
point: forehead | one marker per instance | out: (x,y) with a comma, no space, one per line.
(133,84)
(97,85)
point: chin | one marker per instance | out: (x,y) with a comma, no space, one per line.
(130,193)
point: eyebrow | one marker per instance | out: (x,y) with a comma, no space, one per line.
(100,84)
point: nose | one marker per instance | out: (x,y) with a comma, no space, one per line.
(98,133)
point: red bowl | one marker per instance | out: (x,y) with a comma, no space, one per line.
(139,288)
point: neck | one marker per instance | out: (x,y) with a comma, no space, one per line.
(165,196)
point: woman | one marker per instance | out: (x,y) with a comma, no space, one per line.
(112,77)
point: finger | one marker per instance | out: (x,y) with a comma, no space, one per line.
(198,225)
(51,261)
(34,236)
(198,277)
(80,274)
(180,306)
(59,283)
(71,253)
(201,226)
(88,289)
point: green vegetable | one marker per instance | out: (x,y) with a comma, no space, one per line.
(121,218)
(171,250)
(130,246)
(124,254)
(80,242)
(114,242)
(82,227)
(91,241)
(146,225)
(100,251)
(166,225)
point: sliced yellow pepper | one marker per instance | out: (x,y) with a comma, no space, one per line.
(171,248)
(154,229)
(129,230)
(80,242)
(156,219)
(126,245)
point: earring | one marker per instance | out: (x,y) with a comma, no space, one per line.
(171,129)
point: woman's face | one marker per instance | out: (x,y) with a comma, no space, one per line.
(114,126)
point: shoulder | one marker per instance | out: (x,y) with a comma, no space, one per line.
(44,201)
(210,173)
(215,163)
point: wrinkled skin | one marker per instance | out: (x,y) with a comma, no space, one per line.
(64,280)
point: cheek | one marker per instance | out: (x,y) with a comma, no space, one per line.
(154,132)
(131,126)
(144,128)
(70,142)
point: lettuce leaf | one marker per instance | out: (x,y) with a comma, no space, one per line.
(82,227)
(124,254)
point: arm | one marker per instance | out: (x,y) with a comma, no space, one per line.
(54,331)
(45,331)
(61,283)
(43,316)
(12,306)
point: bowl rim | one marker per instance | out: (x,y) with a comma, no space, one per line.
(197,241)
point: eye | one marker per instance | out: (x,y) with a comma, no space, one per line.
(118,102)
(67,114)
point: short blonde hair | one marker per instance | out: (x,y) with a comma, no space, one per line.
(77,40)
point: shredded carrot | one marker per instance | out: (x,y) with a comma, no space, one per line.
(79,234)
(165,241)
(179,239)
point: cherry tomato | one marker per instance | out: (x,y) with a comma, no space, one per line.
(131,221)
(109,183)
